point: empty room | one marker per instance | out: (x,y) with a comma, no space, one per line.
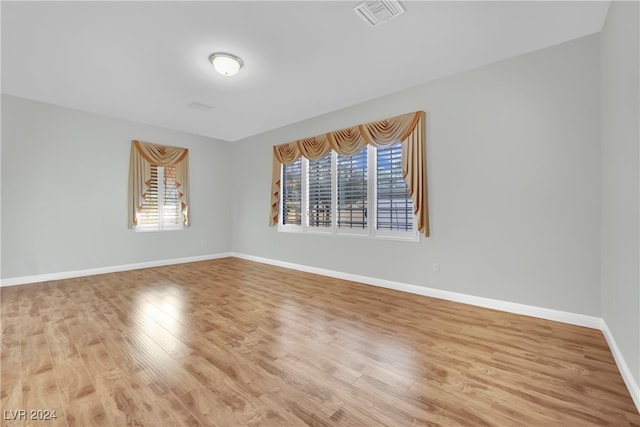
(325,213)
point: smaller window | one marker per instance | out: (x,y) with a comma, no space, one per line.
(161,209)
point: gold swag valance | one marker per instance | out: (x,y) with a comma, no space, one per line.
(143,156)
(409,129)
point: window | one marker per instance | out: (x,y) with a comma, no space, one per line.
(363,195)
(161,207)
(158,187)
(292,193)
(359,204)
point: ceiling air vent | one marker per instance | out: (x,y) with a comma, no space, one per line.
(377,12)
(199,106)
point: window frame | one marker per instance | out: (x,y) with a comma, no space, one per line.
(371,231)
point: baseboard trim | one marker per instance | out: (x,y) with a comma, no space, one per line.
(23,280)
(511,307)
(630,382)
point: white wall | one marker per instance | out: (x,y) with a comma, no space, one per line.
(64,192)
(514,185)
(620,181)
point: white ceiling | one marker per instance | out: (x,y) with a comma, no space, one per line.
(147,61)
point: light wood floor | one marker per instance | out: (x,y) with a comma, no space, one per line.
(233,343)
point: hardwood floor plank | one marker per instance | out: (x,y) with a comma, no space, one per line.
(230,342)
(175,412)
(41,392)
(11,380)
(10,328)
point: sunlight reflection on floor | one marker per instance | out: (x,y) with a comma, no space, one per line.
(159,319)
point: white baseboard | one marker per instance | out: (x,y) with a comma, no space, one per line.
(511,307)
(23,280)
(631,383)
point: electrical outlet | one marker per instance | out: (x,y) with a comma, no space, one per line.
(436,268)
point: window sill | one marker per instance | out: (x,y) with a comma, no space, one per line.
(413,237)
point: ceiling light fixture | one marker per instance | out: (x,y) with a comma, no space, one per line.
(226,63)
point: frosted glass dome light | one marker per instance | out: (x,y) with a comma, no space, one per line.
(226,63)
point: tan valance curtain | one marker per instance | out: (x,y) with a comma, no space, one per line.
(409,129)
(143,156)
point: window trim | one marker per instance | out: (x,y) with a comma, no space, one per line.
(370,232)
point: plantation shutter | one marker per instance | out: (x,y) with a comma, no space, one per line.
(394,208)
(148,213)
(292,193)
(319,192)
(170,198)
(161,207)
(352,190)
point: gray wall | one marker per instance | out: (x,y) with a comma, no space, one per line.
(514,181)
(514,185)
(64,192)
(620,180)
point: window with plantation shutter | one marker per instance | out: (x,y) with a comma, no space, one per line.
(158,187)
(292,193)
(319,192)
(394,208)
(366,180)
(352,190)
(363,194)
(161,208)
